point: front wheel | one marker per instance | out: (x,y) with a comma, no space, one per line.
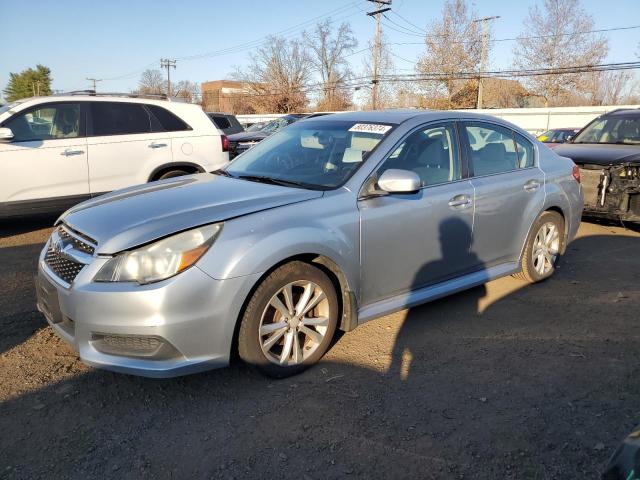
(543,247)
(289,321)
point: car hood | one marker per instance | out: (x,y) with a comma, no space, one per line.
(134,216)
(248,136)
(599,154)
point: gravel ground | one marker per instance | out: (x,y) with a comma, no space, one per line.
(503,381)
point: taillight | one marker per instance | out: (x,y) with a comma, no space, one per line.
(225,143)
(576,173)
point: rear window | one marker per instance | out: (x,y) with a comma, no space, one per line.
(115,118)
(169,121)
(221,122)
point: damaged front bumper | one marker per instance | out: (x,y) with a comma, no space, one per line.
(612,191)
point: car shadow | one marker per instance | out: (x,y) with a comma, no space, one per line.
(507,380)
(25,224)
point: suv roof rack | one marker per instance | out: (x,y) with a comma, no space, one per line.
(93,93)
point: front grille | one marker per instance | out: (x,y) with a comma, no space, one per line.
(56,258)
(63,267)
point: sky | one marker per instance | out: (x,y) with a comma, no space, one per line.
(117,40)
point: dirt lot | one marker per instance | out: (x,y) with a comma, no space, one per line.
(503,381)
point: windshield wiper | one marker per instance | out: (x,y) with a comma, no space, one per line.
(278,181)
(223,173)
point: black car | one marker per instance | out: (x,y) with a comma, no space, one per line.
(226,122)
(607,151)
(241,142)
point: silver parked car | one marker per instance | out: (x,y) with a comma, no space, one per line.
(327,224)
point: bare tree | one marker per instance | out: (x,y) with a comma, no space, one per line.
(277,76)
(329,50)
(453,45)
(386,67)
(187,90)
(554,37)
(151,82)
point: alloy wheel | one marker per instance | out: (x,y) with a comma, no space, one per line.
(294,323)
(546,247)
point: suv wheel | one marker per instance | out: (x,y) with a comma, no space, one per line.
(289,321)
(171,174)
(543,247)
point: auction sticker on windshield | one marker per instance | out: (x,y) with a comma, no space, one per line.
(370,128)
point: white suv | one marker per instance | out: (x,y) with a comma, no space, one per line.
(57,151)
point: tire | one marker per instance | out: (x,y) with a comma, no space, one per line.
(172,174)
(549,243)
(273,336)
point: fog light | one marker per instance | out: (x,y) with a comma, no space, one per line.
(144,346)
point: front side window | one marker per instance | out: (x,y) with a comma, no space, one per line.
(115,118)
(432,153)
(492,149)
(310,154)
(61,120)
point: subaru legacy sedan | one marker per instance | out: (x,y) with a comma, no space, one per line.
(325,225)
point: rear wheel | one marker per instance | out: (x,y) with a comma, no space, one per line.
(289,321)
(543,248)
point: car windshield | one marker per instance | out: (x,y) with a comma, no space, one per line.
(311,154)
(275,125)
(7,107)
(613,129)
(256,127)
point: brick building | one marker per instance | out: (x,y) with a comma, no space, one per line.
(222,95)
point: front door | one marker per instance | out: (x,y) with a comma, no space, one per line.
(409,241)
(44,166)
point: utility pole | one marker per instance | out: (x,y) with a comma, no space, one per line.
(377,47)
(483,55)
(94,80)
(168,64)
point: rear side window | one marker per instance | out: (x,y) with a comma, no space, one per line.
(111,118)
(169,121)
(525,151)
(221,122)
(492,149)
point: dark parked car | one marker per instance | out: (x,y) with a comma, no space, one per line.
(607,151)
(556,136)
(226,122)
(241,142)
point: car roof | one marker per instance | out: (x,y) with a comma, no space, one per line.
(100,98)
(623,112)
(399,116)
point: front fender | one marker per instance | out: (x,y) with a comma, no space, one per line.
(255,243)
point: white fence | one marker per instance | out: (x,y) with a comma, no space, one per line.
(534,120)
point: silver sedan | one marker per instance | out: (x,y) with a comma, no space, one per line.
(327,224)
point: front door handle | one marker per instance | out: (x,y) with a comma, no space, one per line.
(70,153)
(157,145)
(532,185)
(460,201)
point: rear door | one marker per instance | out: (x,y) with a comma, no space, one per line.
(509,190)
(44,167)
(126,144)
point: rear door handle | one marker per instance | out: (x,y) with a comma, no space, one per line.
(70,153)
(532,185)
(460,201)
(157,145)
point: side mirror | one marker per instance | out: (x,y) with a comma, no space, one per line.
(6,135)
(399,181)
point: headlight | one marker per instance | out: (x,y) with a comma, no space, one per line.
(160,260)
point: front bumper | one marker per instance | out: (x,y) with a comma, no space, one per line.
(191,314)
